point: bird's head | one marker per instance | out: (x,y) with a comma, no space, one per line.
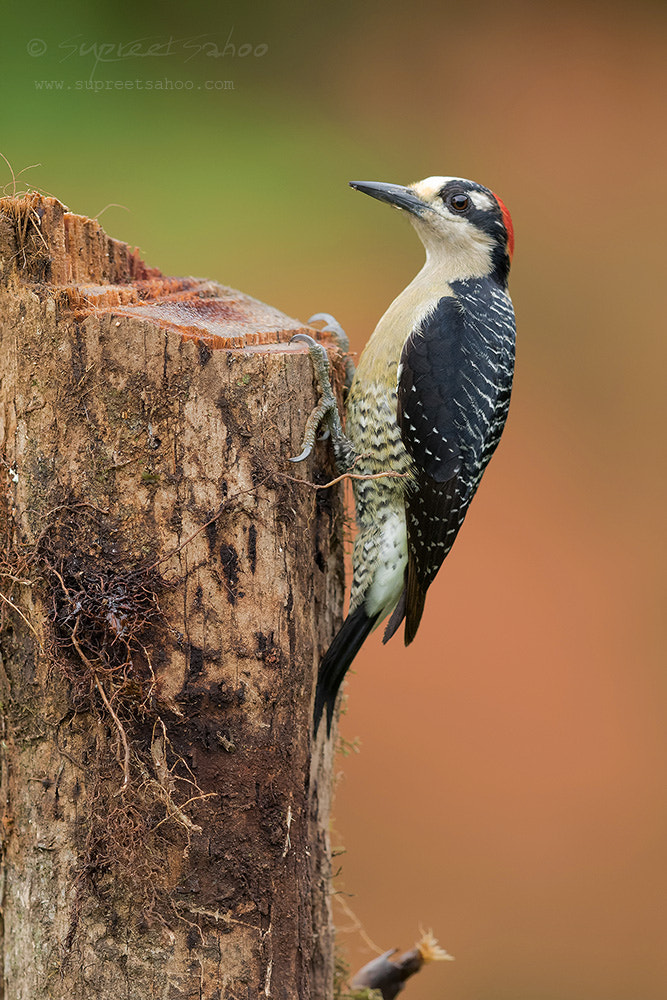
(456,219)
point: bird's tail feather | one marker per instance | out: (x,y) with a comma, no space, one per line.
(415,596)
(397,617)
(345,646)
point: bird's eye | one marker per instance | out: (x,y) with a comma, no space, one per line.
(459,202)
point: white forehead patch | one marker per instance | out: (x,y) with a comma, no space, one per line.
(429,187)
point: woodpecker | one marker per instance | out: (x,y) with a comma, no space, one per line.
(425,409)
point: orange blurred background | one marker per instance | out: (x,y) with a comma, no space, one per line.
(510,791)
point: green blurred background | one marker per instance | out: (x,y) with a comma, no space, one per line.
(510,792)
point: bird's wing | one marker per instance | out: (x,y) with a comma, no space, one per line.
(447,411)
(427,384)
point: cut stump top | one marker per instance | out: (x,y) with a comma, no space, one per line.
(42,243)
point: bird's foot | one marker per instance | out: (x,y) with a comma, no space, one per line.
(332,326)
(326,412)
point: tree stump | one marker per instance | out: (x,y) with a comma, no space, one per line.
(169,582)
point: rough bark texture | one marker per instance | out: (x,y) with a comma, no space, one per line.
(167,591)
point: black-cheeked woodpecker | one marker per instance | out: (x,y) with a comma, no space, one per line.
(428,403)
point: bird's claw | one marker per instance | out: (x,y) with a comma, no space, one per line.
(304,454)
(332,326)
(306,339)
(327,408)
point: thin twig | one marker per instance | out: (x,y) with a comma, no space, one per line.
(358,926)
(178,810)
(17,579)
(345,475)
(219,917)
(19,612)
(12,173)
(119,724)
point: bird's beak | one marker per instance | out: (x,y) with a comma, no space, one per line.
(393,194)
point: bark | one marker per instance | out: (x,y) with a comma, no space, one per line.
(167,591)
